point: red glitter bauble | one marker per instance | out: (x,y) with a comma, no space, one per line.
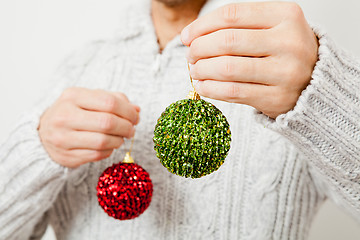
(124,190)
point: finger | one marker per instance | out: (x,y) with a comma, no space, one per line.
(239,15)
(137,108)
(123,96)
(243,93)
(120,95)
(83,156)
(232,42)
(92,141)
(102,123)
(103,101)
(237,69)
(76,157)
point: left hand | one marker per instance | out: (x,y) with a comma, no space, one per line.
(259,54)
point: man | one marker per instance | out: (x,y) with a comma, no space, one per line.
(303,147)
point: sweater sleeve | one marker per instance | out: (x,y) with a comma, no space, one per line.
(29,180)
(325,125)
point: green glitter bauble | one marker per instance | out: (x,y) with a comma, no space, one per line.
(192,138)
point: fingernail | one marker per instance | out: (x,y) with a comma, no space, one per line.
(185,35)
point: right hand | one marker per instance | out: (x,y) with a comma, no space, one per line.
(86,125)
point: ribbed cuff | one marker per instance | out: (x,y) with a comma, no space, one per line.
(325,124)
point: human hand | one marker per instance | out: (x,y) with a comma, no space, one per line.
(259,54)
(86,125)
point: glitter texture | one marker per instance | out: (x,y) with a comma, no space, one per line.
(124,190)
(192,138)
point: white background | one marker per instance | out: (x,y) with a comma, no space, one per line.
(35,35)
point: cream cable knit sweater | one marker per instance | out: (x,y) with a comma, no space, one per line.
(275,177)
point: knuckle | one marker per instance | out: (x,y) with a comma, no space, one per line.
(69,93)
(230,39)
(110,102)
(96,156)
(228,71)
(57,140)
(101,142)
(60,120)
(293,10)
(291,72)
(107,123)
(234,92)
(288,44)
(293,47)
(123,96)
(230,13)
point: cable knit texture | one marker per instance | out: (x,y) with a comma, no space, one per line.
(275,177)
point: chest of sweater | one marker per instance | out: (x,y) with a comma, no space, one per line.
(259,189)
